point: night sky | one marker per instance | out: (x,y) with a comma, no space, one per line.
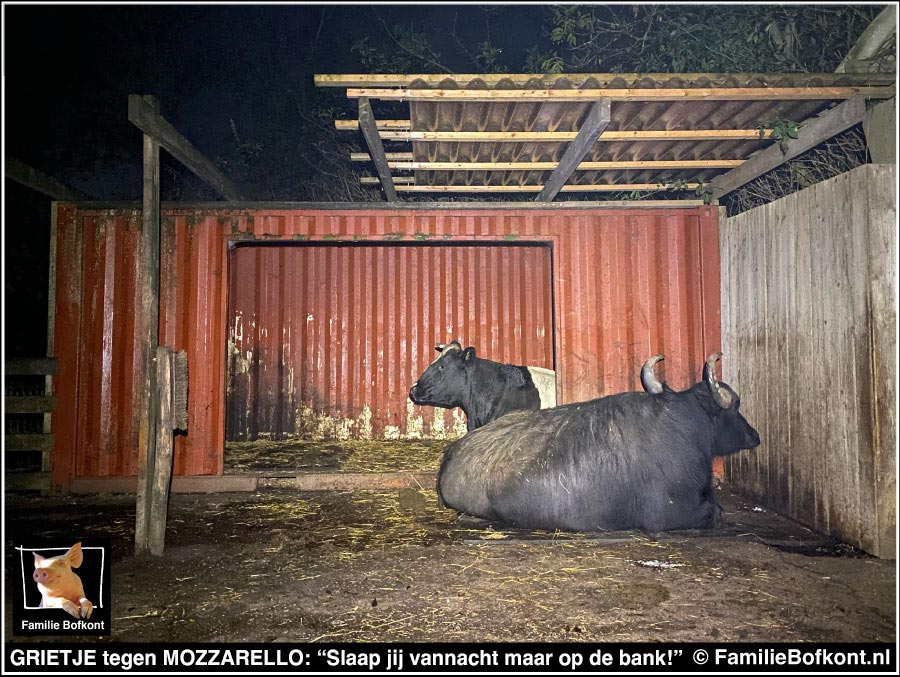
(69,71)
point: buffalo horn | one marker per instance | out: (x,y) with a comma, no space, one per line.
(444,348)
(648,378)
(720,395)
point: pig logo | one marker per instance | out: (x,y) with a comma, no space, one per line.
(64,590)
(59,585)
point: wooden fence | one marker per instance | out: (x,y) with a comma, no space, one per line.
(808,331)
(28,384)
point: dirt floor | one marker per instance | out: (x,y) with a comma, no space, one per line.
(289,456)
(392,566)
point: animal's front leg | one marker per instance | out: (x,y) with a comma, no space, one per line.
(86,608)
(71,608)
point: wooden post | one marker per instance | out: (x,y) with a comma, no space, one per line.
(162,467)
(149,277)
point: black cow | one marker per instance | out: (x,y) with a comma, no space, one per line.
(627,461)
(483,389)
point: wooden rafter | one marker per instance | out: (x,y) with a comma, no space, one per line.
(353,125)
(596,121)
(544,166)
(835,121)
(376,150)
(365,157)
(667,94)
(37,180)
(530,188)
(562,137)
(491,79)
(375,180)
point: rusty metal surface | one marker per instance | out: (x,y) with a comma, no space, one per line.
(625,284)
(325,341)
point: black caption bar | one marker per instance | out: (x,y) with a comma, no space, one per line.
(21,657)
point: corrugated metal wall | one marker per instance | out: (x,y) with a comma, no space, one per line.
(325,341)
(626,284)
(809,297)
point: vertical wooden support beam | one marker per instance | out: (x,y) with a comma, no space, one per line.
(376,149)
(710,295)
(51,332)
(162,467)
(596,121)
(149,333)
(881,181)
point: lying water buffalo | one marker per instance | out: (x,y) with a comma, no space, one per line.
(483,389)
(627,461)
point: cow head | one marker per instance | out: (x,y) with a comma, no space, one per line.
(446,381)
(732,432)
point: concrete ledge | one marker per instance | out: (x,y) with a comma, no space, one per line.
(309,481)
(180,485)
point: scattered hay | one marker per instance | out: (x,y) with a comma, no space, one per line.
(345,455)
(296,509)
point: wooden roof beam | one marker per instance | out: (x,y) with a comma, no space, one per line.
(666,94)
(365,157)
(402,132)
(596,121)
(562,137)
(154,125)
(835,121)
(401,80)
(548,166)
(37,180)
(353,125)
(531,188)
(376,150)
(376,180)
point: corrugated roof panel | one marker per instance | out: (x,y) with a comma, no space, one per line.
(554,116)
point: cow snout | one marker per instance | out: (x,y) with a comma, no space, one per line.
(40,576)
(414,392)
(753,439)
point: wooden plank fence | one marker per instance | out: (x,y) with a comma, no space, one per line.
(26,401)
(808,331)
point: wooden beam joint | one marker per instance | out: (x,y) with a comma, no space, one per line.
(151,123)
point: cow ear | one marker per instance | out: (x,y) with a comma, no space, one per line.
(468,354)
